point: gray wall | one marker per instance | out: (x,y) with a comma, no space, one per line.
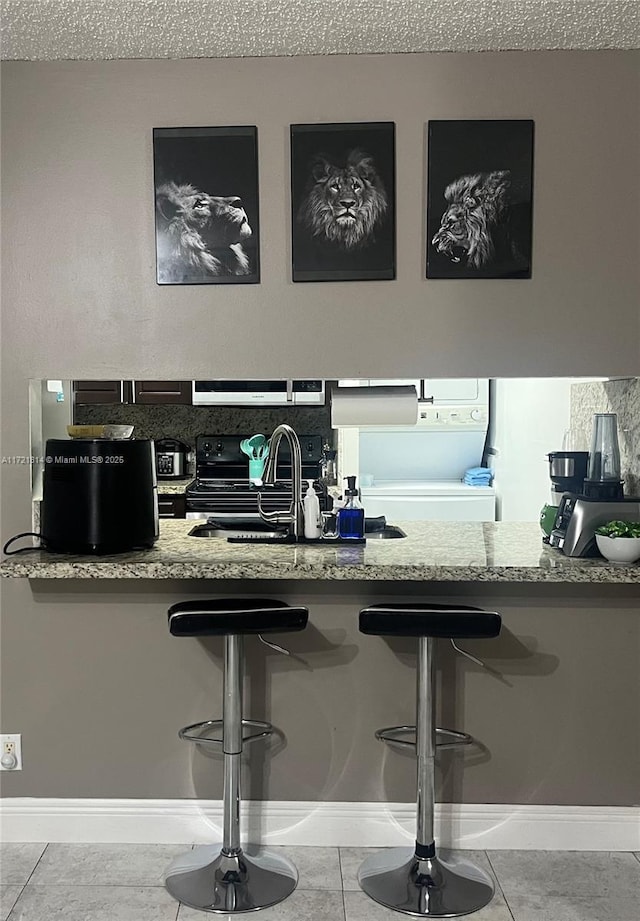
(79,301)
(99,689)
(79,290)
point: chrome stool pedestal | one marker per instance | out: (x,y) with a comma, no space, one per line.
(212,880)
(431,887)
(223,878)
(418,881)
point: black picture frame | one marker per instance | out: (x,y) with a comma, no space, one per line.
(480,198)
(206,205)
(331,242)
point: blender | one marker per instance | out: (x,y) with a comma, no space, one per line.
(603,480)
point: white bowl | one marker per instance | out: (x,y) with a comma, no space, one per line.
(118,432)
(619,549)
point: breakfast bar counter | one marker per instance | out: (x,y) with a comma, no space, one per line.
(95,630)
(431,551)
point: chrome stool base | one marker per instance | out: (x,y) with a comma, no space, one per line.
(432,887)
(209,880)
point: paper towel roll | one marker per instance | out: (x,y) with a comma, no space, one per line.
(356,406)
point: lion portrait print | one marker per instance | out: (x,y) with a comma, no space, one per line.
(476,225)
(199,236)
(343,204)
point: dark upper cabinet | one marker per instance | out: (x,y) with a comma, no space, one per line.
(102,392)
(153,392)
(145,392)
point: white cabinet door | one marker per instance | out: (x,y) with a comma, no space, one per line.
(453,390)
(380,382)
(395,382)
(441,390)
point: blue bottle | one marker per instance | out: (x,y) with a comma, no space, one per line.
(351,515)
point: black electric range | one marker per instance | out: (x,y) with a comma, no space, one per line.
(222,490)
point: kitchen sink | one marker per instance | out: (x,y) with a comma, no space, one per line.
(257,533)
(390,532)
(207,530)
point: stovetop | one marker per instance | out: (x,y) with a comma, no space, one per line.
(222,476)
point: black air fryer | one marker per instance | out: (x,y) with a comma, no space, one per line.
(99,496)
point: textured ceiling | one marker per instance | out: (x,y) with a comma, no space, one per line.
(109,29)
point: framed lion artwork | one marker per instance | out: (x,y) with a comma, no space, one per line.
(206,205)
(480,199)
(343,201)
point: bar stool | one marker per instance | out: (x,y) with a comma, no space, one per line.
(224,878)
(418,882)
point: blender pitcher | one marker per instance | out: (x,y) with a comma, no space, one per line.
(603,478)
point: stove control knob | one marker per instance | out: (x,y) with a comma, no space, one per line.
(206,447)
(219,447)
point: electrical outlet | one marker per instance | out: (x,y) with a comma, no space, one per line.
(10,752)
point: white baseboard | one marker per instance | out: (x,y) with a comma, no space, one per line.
(322,824)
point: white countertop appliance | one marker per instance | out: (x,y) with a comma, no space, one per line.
(429,500)
(415,473)
(222,489)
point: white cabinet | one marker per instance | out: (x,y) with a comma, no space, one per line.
(395,382)
(443,391)
(380,382)
(456,390)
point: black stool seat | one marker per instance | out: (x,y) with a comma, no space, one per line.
(225,616)
(421,619)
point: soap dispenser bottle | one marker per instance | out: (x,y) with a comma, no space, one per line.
(311,504)
(351,515)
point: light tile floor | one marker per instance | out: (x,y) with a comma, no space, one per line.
(109,882)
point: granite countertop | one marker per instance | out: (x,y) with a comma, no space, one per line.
(432,551)
(173,487)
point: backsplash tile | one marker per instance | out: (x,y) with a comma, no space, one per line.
(614,396)
(185,422)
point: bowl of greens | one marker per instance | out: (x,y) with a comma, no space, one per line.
(619,541)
